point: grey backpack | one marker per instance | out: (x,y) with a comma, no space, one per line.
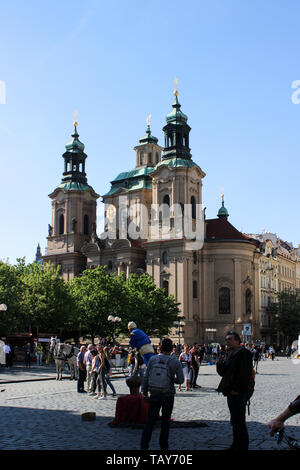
(159,379)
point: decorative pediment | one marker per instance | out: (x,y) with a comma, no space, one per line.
(121,244)
(165,273)
(248,280)
(90,248)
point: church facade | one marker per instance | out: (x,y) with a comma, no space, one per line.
(210,267)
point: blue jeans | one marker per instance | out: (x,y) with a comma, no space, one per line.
(107,378)
(147,357)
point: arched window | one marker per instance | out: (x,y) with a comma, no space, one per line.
(195,290)
(165,257)
(157,157)
(141,158)
(224,301)
(165,285)
(166,207)
(61,227)
(193,204)
(150,158)
(86,225)
(166,200)
(248,299)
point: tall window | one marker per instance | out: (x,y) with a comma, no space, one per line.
(248,299)
(86,225)
(193,204)
(224,301)
(61,224)
(195,290)
(166,207)
(165,285)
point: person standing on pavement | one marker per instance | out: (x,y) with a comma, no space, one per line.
(195,366)
(39,354)
(88,363)
(162,372)
(235,369)
(81,370)
(8,355)
(27,351)
(186,361)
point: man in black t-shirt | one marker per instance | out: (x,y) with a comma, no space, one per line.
(195,365)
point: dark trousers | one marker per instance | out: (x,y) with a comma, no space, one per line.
(155,404)
(195,372)
(237,407)
(81,379)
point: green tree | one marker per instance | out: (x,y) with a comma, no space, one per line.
(46,298)
(97,295)
(286,314)
(11,292)
(149,307)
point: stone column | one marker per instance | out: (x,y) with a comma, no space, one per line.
(237,290)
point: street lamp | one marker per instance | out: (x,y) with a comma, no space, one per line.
(114,320)
(180,324)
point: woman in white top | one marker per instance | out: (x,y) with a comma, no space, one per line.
(186,361)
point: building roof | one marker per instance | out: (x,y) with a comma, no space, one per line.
(221,229)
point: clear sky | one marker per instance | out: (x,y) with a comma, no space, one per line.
(115,62)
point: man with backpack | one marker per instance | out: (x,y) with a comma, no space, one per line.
(236,368)
(163,371)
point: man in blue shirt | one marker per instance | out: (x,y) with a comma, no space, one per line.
(141,342)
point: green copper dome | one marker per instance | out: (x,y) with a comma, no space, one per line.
(176,116)
(75,145)
(223,212)
(148,138)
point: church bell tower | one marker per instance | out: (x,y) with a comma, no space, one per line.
(74,205)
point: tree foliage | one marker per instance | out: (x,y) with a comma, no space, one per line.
(286,313)
(38,299)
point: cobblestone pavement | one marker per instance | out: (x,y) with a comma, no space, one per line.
(40,413)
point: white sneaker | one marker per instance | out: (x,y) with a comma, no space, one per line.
(102,398)
(96,397)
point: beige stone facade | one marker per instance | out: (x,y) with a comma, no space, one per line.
(224,283)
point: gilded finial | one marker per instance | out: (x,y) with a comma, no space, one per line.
(175,86)
(75,119)
(148,120)
(222,194)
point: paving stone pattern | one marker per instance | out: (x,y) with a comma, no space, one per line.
(40,413)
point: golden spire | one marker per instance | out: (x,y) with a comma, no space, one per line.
(148,120)
(75,119)
(175,86)
(222,194)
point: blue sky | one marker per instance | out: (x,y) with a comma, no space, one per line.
(115,62)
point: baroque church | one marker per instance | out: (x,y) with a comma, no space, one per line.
(215,280)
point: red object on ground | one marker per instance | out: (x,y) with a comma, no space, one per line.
(131,409)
